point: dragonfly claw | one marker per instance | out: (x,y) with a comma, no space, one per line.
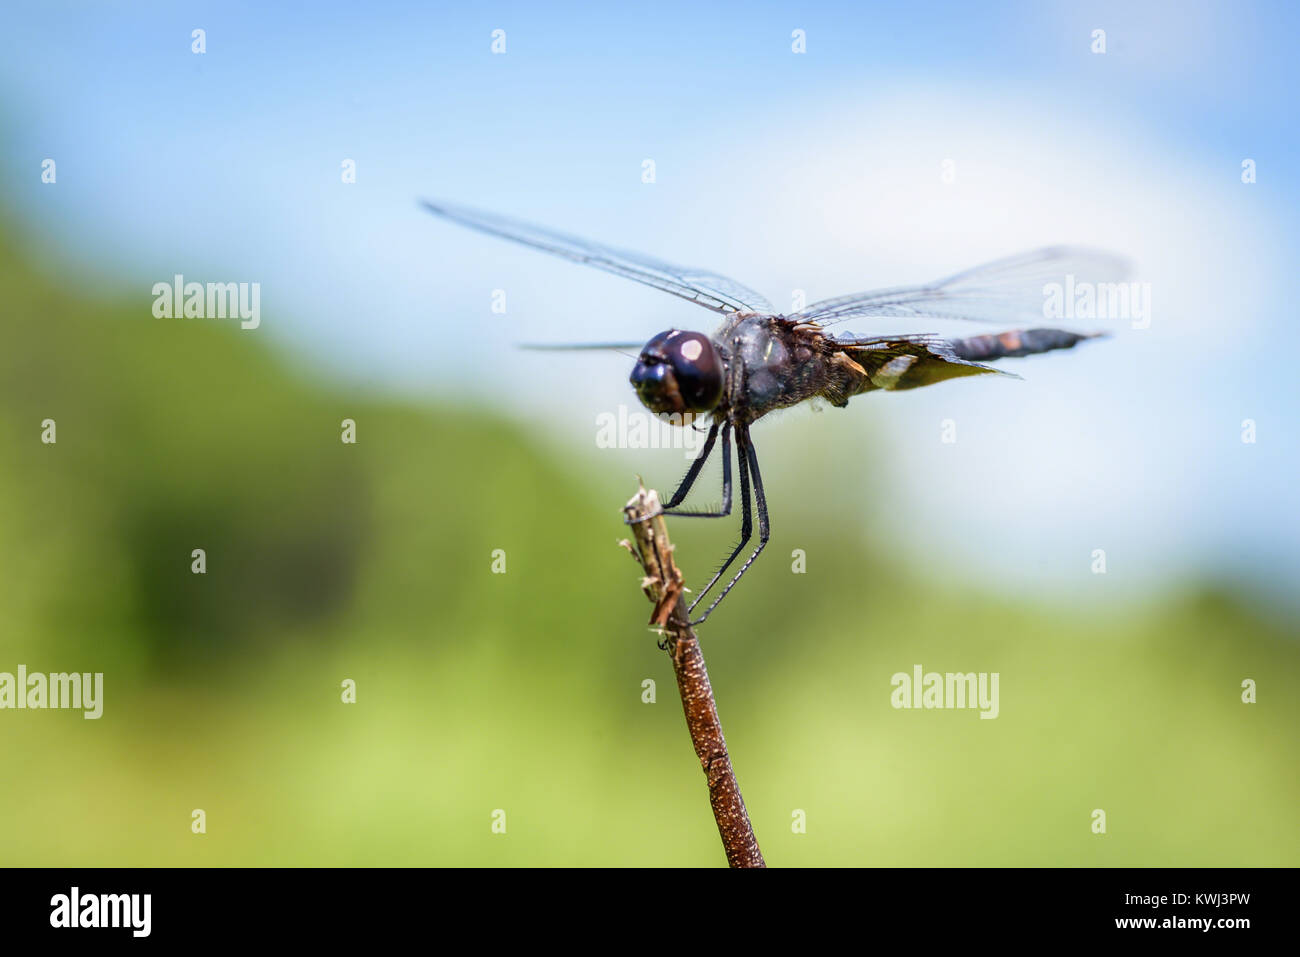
(643,518)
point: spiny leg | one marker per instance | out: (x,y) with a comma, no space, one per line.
(725,510)
(688,480)
(684,487)
(746,520)
(745,448)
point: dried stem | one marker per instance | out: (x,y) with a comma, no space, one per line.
(663,586)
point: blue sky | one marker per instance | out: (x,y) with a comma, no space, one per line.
(817,171)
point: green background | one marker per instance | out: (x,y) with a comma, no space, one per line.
(523,691)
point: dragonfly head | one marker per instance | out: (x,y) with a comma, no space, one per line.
(678,372)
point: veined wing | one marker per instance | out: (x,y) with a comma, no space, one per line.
(579,346)
(700,286)
(629,349)
(1009,289)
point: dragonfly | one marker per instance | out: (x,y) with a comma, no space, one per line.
(758,360)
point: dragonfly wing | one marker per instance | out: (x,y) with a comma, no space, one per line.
(579,346)
(700,286)
(1008,290)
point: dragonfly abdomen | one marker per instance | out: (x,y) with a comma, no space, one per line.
(1018,342)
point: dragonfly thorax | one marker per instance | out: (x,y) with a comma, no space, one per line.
(678,372)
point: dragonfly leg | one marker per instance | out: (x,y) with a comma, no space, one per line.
(746,523)
(725,510)
(684,488)
(744,451)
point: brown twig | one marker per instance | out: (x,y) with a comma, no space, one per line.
(663,586)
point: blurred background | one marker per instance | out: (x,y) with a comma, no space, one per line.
(909,141)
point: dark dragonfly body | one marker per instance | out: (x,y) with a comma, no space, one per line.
(774,363)
(758,361)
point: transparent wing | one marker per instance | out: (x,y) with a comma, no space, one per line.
(579,346)
(1009,289)
(696,285)
(630,349)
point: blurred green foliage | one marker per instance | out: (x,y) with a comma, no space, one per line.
(523,691)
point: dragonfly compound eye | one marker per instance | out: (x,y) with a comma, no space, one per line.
(678,372)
